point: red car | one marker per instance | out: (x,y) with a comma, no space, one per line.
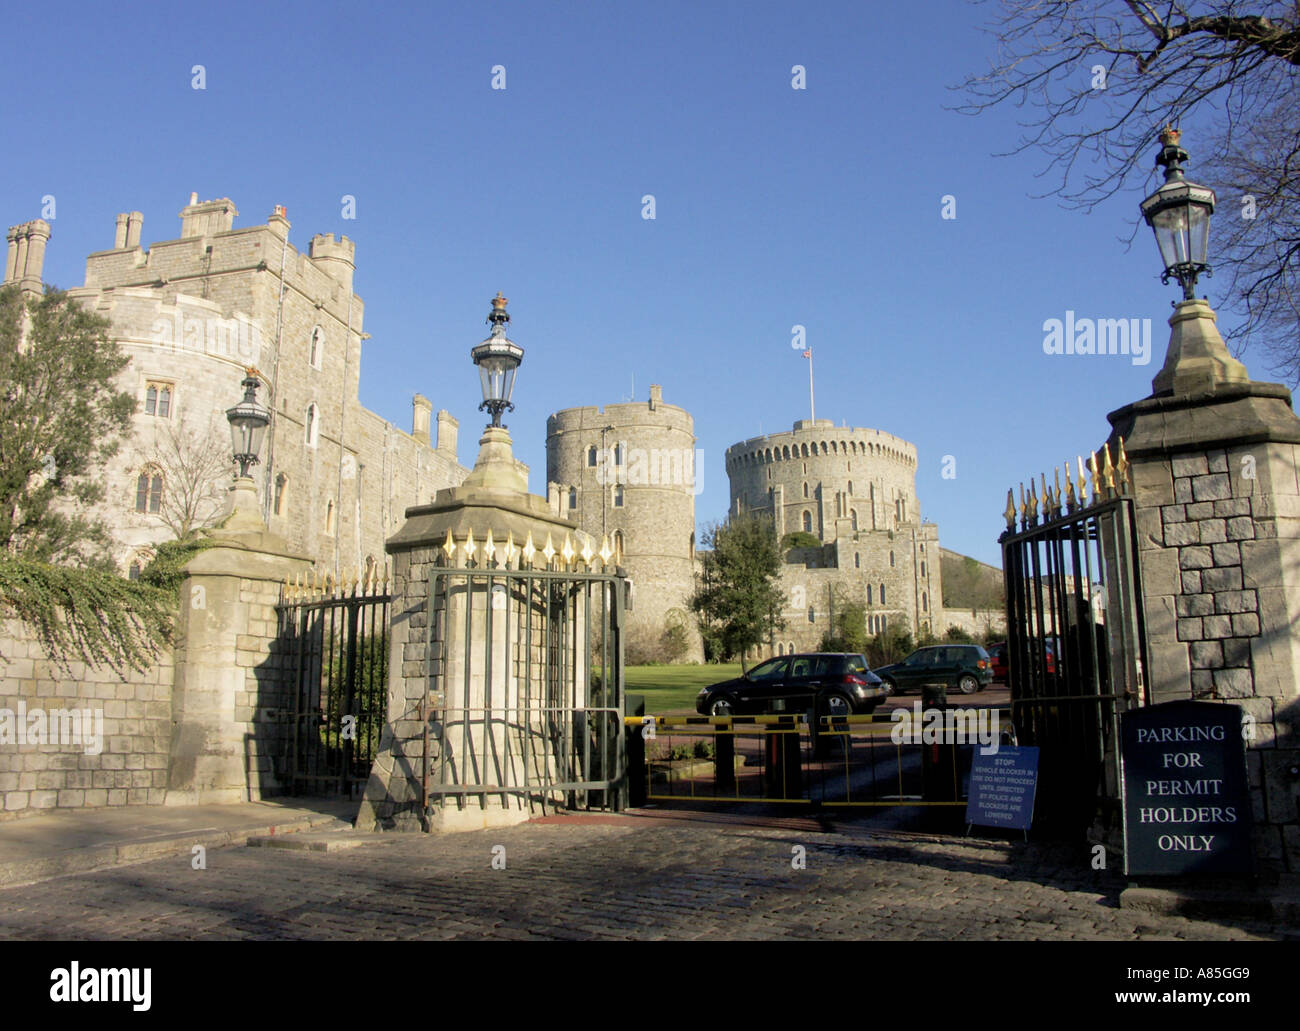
(998,653)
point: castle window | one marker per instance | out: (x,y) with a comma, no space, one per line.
(573,498)
(868,594)
(891,559)
(882,594)
(922,549)
(148,491)
(807,522)
(317,348)
(618,454)
(857,562)
(591,457)
(280,482)
(692,544)
(812,615)
(329,518)
(923,569)
(158,400)
(805,490)
(134,572)
(853,515)
(780,649)
(618,495)
(850,488)
(313,426)
(925,603)
(769,476)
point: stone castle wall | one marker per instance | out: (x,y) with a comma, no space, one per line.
(192,314)
(643,496)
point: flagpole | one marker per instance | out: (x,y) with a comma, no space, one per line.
(812,407)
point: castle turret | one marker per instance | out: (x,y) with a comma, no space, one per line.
(337,258)
(422,409)
(25,261)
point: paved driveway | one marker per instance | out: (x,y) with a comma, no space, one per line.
(634,876)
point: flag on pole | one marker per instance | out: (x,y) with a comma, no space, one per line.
(807,354)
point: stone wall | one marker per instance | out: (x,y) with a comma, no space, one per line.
(128,764)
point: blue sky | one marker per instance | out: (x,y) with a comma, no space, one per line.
(774,207)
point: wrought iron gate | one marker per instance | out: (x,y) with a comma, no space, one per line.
(1076,635)
(526,681)
(334,642)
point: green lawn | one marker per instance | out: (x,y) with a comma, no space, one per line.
(669,689)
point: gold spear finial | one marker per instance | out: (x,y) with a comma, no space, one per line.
(1094,472)
(511,549)
(1047,499)
(530,550)
(1009,514)
(1122,468)
(1033,503)
(489,547)
(449,546)
(606,552)
(548,552)
(1109,470)
(469,547)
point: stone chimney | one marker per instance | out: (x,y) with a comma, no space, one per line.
(279,221)
(204,219)
(26,258)
(335,258)
(134,223)
(448,428)
(119,234)
(422,409)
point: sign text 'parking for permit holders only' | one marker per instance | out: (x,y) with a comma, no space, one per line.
(1186,800)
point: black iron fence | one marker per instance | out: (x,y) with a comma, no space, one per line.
(1076,635)
(334,640)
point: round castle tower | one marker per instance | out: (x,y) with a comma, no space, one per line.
(819,474)
(628,472)
(854,489)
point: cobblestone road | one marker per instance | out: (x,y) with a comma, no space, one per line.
(618,877)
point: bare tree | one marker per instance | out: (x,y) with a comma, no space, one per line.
(1103,77)
(196,469)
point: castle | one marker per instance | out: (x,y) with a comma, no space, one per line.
(854,490)
(192,314)
(335,478)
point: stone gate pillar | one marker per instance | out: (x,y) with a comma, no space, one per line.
(1216,480)
(428,736)
(224,658)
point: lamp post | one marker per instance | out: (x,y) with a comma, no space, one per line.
(497,359)
(1179,215)
(248,421)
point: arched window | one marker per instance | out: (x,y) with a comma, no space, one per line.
(280,482)
(316,349)
(853,516)
(158,400)
(882,594)
(618,454)
(925,602)
(785,452)
(313,425)
(807,522)
(868,594)
(329,518)
(850,488)
(591,456)
(618,495)
(923,569)
(148,491)
(573,498)
(805,490)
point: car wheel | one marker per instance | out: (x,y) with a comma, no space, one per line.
(968,684)
(890,688)
(722,707)
(838,705)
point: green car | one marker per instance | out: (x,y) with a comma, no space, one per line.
(966,667)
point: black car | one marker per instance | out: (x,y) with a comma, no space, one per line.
(967,667)
(834,683)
